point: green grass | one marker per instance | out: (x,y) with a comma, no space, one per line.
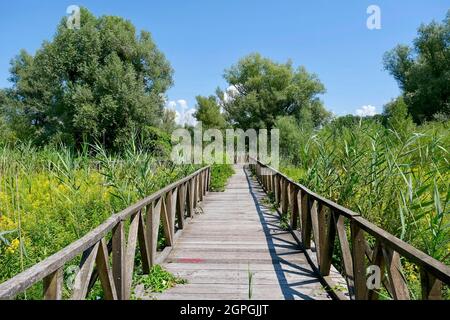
(51,197)
(400,182)
(158,280)
(220,173)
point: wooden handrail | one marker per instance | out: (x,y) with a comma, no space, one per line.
(323,222)
(170,205)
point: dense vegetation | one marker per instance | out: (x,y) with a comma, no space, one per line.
(398,181)
(100,82)
(423,71)
(49,198)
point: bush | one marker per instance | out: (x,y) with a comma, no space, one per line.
(220,173)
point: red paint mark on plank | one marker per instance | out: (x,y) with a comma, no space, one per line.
(190,260)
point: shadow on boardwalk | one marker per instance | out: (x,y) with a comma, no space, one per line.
(235,236)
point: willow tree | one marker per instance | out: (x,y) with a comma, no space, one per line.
(264,90)
(101,82)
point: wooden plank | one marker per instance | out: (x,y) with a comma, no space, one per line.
(144,242)
(284,196)
(306,220)
(81,284)
(294,207)
(130,253)
(315,210)
(181,201)
(153,221)
(437,268)
(347,259)
(359,265)
(196,196)
(53,284)
(168,235)
(431,287)
(276,183)
(376,258)
(104,272)
(170,211)
(118,259)
(327,235)
(398,284)
(190,198)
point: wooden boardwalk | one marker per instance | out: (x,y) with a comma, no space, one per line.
(234,236)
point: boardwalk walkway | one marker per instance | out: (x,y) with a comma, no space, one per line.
(237,235)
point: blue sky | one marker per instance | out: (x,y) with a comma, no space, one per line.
(201,38)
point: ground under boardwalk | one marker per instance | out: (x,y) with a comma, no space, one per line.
(237,238)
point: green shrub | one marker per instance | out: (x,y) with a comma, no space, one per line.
(220,173)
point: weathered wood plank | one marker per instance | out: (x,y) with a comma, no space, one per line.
(53,285)
(153,222)
(83,276)
(359,265)
(130,252)
(118,259)
(105,272)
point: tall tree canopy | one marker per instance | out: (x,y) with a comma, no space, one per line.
(266,90)
(423,71)
(208,112)
(101,81)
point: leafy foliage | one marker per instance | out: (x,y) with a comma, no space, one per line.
(398,181)
(220,173)
(50,198)
(158,280)
(208,112)
(423,72)
(100,82)
(267,90)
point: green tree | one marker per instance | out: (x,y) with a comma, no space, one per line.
(267,90)
(208,112)
(423,71)
(397,117)
(98,82)
(168,123)
(290,138)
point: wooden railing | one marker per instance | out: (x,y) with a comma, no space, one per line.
(171,205)
(321,222)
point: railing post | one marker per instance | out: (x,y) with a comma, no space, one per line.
(359,265)
(181,201)
(306,220)
(153,221)
(285,196)
(294,205)
(118,256)
(53,285)
(327,234)
(195,191)
(347,259)
(431,287)
(315,210)
(190,197)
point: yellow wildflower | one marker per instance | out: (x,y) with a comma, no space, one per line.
(13,246)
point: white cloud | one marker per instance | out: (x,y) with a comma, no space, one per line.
(183,113)
(189,118)
(183,104)
(171,105)
(230,93)
(366,111)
